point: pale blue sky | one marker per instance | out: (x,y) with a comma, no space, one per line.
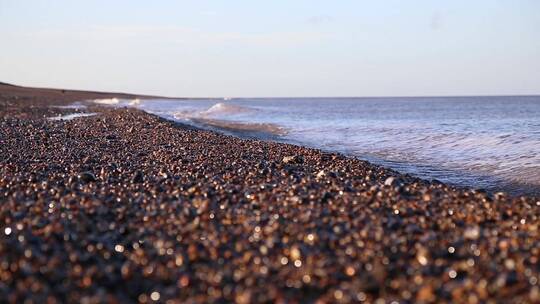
(274,48)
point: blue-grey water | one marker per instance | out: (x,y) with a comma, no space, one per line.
(482,142)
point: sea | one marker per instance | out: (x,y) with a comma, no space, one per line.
(487,142)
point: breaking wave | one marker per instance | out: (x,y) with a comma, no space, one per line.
(227,117)
(483,142)
(222,108)
(107,101)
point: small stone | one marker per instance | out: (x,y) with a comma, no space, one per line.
(295,253)
(425,294)
(389,181)
(87,177)
(295,159)
(138,177)
(472,233)
(155,296)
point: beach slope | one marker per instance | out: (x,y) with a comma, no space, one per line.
(123,206)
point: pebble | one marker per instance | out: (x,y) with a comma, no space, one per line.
(186,215)
(138,177)
(295,159)
(87,177)
(389,181)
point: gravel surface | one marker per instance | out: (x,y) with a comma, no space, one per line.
(123,206)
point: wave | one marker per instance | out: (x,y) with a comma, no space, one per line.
(118,102)
(107,101)
(242,128)
(71,116)
(218,117)
(135,102)
(222,108)
(458,144)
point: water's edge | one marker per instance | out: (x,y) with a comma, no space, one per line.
(250,128)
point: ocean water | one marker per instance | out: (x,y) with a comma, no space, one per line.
(491,143)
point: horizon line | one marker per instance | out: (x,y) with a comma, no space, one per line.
(145,95)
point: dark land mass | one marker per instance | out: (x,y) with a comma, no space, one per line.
(126,207)
(10,93)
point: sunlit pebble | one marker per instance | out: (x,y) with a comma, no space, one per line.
(295,253)
(510,264)
(361,296)
(297,263)
(7,231)
(179,260)
(451,249)
(155,296)
(350,271)
(184,281)
(472,233)
(422,260)
(119,248)
(452,274)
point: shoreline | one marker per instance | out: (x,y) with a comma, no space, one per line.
(124,206)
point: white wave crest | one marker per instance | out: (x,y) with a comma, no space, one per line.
(225,108)
(135,102)
(107,101)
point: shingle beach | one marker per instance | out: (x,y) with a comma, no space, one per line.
(123,206)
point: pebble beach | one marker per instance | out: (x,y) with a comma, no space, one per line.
(120,206)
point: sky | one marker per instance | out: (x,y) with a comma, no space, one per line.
(293,48)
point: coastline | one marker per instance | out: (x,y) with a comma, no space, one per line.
(125,206)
